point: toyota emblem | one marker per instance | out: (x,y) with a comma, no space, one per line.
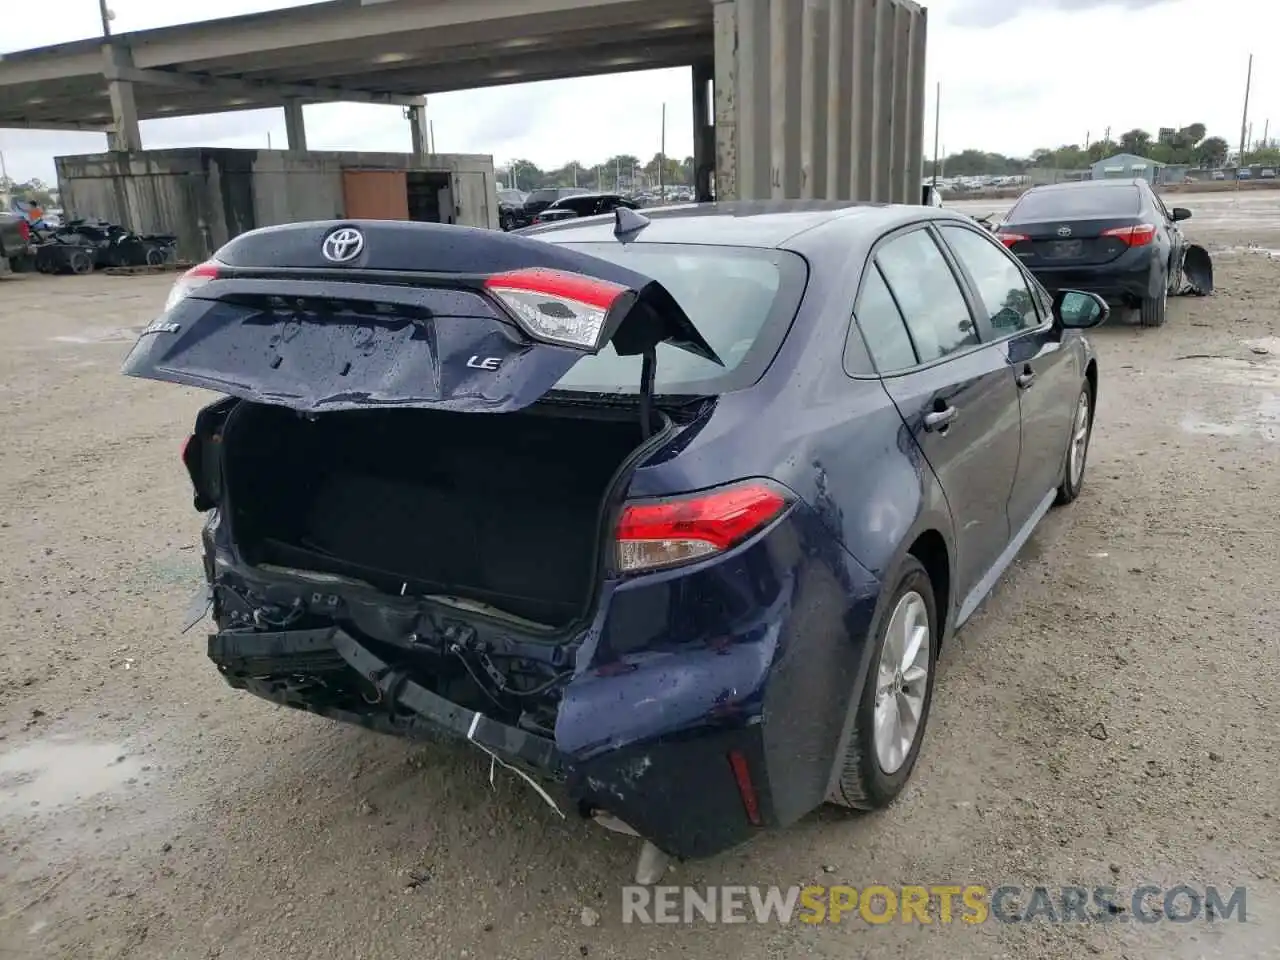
(343,245)
(1063,231)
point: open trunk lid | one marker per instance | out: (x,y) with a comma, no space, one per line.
(347,315)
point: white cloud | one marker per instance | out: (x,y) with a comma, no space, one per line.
(1015,74)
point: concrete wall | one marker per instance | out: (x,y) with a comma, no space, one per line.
(819,99)
(208,195)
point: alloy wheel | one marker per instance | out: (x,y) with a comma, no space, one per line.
(902,680)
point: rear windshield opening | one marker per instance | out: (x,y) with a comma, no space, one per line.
(1077,202)
(741,299)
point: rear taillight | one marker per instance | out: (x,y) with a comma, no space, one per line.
(746,789)
(191,281)
(1135,236)
(1009,239)
(556,305)
(667,533)
(24,231)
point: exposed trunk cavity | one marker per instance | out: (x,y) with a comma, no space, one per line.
(500,509)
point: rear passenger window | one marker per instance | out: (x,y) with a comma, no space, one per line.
(1001,286)
(882,327)
(935,310)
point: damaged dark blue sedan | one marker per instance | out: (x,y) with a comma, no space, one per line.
(669,512)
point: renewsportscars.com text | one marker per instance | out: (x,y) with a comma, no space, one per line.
(932,904)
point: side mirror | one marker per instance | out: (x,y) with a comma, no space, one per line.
(1180,213)
(1077,310)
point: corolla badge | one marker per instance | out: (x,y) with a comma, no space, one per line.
(343,245)
(1064,231)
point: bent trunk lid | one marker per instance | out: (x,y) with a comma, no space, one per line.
(407,321)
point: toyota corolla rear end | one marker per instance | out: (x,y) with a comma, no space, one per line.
(1086,237)
(477,500)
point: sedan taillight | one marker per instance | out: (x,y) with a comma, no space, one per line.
(1010,238)
(189,282)
(1135,236)
(667,533)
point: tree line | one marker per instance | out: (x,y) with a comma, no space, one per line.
(623,172)
(1175,145)
(28,190)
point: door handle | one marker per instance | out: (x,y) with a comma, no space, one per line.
(939,420)
(1025,379)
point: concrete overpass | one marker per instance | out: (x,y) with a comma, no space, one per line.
(792,98)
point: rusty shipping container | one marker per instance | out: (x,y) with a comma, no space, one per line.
(819,99)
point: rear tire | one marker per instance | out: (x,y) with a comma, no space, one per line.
(1152,310)
(865,784)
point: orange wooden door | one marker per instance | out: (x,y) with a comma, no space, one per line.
(375,195)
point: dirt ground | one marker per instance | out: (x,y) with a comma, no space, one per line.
(1108,718)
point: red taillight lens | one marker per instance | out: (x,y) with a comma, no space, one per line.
(556,305)
(189,282)
(655,535)
(1136,236)
(746,789)
(24,231)
(1009,239)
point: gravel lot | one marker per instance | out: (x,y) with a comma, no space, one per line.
(146,811)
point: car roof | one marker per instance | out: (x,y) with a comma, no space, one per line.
(1093,184)
(745,223)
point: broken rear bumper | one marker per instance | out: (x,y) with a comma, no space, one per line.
(680,793)
(407,708)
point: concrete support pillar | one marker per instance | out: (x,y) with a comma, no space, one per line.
(419,131)
(917,32)
(704,132)
(814,96)
(125,133)
(782,57)
(819,99)
(726,93)
(295,125)
(840,20)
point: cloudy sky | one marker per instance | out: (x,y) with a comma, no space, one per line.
(1015,75)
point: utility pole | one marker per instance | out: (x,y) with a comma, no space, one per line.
(105,13)
(662,158)
(1244,118)
(1086,141)
(1266,130)
(937,127)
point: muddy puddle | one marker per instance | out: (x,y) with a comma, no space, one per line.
(55,774)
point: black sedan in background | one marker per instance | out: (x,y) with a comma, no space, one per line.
(540,199)
(511,209)
(584,205)
(1115,238)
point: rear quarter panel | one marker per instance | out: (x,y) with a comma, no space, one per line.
(840,444)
